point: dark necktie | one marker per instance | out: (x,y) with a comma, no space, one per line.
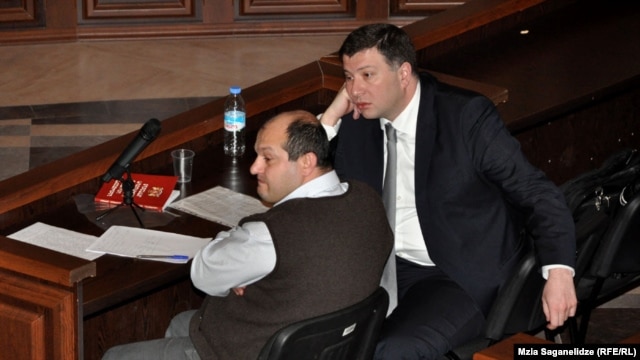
(389,281)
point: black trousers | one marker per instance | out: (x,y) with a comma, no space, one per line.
(433,316)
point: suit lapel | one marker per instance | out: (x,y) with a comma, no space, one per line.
(425,138)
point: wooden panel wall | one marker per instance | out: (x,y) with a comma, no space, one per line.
(269,7)
(573,79)
(54,20)
(94,11)
(425,7)
(573,143)
(27,13)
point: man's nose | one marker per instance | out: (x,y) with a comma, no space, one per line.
(356,89)
(255,168)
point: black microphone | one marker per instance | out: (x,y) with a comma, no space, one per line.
(147,134)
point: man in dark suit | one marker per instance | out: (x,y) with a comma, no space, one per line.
(463,194)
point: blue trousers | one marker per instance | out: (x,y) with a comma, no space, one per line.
(433,316)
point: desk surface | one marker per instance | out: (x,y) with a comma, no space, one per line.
(120,279)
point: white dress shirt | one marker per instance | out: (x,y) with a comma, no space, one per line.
(246,254)
(409,243)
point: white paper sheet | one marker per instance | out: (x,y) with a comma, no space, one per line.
(133,242)
(221,205)
(58,239)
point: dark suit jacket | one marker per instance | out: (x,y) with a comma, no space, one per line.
(474,188)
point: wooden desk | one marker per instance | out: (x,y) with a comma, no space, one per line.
(633,339)
(504,349)
(129,299)
(41,299)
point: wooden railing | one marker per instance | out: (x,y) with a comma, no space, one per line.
(317,77)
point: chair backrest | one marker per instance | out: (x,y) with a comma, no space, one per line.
(599,220)
(619,251)
(518,306)
(608,258)
(609,247)
(615,265)
(349,334)
(613,251)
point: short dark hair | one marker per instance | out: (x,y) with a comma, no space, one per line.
(391,41)
(305,134)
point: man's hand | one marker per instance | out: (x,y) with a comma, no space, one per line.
(238,291)
(340,106)
(559,300)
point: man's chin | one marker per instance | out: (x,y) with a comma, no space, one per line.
(264,195)
(368,115)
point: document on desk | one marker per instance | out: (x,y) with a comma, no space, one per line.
(149,244)
(220,205)
(58,239)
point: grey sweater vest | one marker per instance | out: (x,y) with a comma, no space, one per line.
(330,254)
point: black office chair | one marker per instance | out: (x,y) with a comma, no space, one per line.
(348,334)
(601,274)
(614,268)
(517,308)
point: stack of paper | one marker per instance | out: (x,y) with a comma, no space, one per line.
(217,204)
(221,205)
(150,244)
(58,239)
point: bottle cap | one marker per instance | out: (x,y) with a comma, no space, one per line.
(235,90)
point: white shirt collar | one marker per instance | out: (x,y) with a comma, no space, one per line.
(325,185)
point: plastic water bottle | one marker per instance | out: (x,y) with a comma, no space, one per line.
(234,123)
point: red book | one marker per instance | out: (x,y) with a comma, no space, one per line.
(150,191)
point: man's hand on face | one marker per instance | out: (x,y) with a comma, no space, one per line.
(340,106)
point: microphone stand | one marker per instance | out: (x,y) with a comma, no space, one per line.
(128,185)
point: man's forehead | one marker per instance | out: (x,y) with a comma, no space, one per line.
(271,137)
(362,60)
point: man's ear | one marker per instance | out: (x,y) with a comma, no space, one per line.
(308,162)
(405,72)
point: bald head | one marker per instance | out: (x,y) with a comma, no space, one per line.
(292,149)
(304,134)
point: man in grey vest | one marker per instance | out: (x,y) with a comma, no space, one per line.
(320,248)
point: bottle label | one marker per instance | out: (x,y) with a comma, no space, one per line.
(234,120)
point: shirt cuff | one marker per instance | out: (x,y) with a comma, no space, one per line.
(331,131)
(546,268)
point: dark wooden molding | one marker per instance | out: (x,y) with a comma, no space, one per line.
(22,14)
(64,20)
(55,267)
(177,10)
(424,7)
(269,7)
